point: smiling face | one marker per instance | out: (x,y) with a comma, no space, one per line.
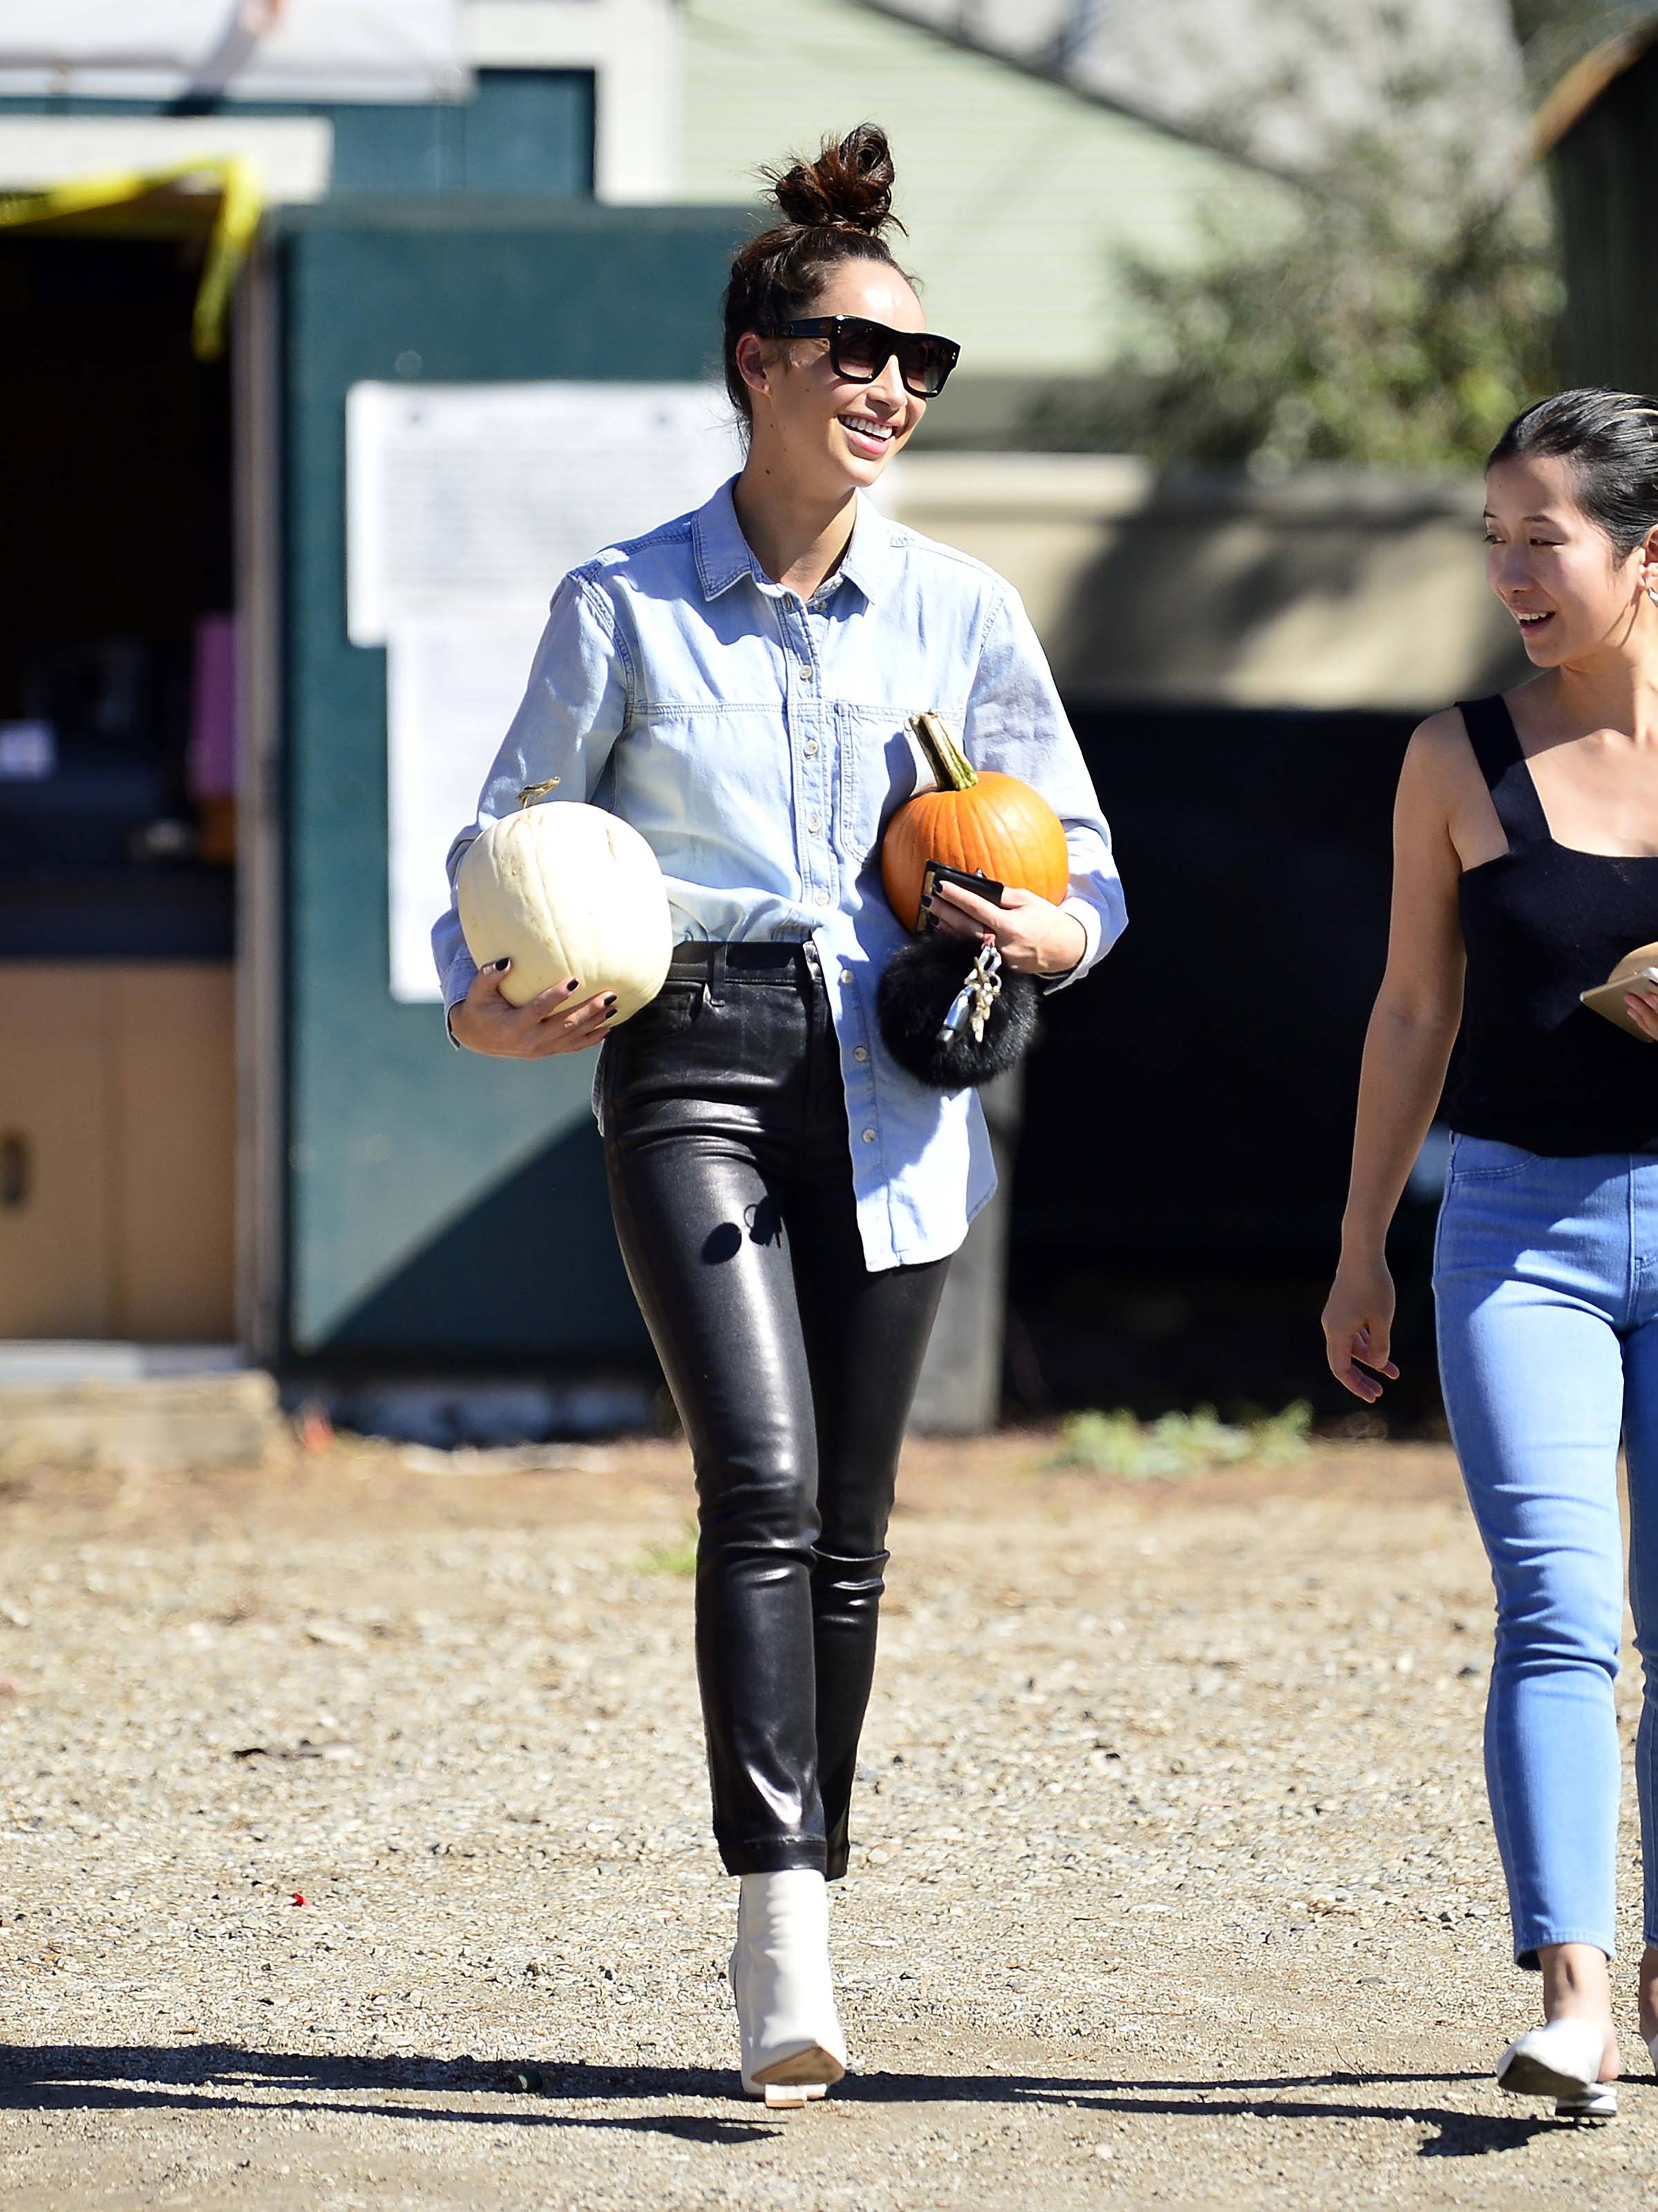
(1554,568)
(823,433)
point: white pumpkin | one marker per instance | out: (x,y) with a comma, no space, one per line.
(565,890)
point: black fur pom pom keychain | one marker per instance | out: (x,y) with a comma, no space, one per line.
(951,1017)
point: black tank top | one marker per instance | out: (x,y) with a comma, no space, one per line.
(1542,922)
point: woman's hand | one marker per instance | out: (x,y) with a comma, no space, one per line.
(554,1022)
(1358,1324)
(1033,936)
(1643,1006)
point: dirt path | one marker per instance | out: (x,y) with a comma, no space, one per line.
(1177,1884)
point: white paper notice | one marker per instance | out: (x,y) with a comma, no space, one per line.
(465,506)
(452,689)
(482,495)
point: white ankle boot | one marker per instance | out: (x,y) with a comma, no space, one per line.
(793,2047)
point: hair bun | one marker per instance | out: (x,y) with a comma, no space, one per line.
(832,210)
(850,182)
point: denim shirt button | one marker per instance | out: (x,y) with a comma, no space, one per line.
(860,1052)
(869,1136)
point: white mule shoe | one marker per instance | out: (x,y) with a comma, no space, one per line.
(793,2046)
(1562,2061)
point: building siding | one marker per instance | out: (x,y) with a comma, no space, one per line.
(1020,196)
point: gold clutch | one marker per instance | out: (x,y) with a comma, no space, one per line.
(1639,966)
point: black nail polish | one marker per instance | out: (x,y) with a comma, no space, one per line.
(573,985)
(498,964)
(610,1000)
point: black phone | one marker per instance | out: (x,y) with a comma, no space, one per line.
(982,886)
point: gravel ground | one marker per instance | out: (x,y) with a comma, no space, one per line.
(355,1849)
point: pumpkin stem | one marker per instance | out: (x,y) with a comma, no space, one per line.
(954,770)
(531,792)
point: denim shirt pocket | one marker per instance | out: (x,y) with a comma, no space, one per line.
(880,770)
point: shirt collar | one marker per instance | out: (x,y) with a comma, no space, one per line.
(868,560)
(724,555)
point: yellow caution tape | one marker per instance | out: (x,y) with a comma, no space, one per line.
(241,201)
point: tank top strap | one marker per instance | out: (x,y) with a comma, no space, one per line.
(1507,772)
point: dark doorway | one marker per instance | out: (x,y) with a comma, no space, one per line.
(1189,1114)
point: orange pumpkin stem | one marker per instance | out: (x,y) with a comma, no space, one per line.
(954,770)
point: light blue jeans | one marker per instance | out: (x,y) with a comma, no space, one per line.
(1545,1278)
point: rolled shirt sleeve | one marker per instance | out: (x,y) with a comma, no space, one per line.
(574,709)
(1016,723)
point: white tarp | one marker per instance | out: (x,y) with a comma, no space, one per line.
(465,506)
(254,49)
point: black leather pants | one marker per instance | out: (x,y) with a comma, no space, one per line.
(791,1364)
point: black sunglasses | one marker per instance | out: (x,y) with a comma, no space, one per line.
(860,349)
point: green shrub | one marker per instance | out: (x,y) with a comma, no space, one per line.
(1116,1443)
(676,1559)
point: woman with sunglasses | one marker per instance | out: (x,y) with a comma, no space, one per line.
(738,685)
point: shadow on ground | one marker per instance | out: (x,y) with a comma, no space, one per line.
(203,2076)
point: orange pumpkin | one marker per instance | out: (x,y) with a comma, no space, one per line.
(984,823)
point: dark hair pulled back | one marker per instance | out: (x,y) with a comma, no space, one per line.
(1610,439)
(835,209)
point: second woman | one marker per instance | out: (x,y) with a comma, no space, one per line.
(1526,855)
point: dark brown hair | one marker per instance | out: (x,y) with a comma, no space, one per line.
(1610,439)
(835,209)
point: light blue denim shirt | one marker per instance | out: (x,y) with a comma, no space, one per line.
(759,741)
